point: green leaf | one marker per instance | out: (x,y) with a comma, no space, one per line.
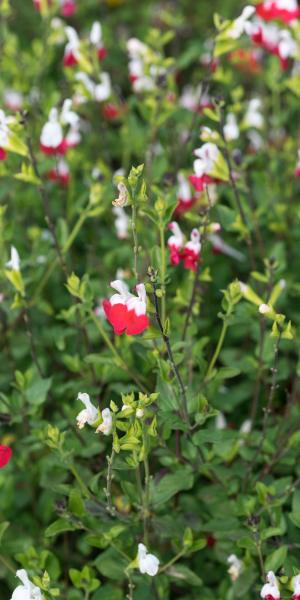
(171,484)
(58,527)
(275,560)
(3,527)
(183,574)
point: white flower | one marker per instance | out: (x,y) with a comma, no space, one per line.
(68,116)
(177,239)
(235,568)
(253,116)
(184,190)
(13,99)
(296,586)
(26,591)
(231,129)
(246,426)
(140,413)
(73,44)
(14,262)
(121,222)
(136,48)
(207,156)
(122,197)
(96,34)
(271,588)
(89,414)
(138,304)
(239,25)
(4,129)
(52,133)
(264,309)
(148,563)
(106,426)
(220,422)
(103,89)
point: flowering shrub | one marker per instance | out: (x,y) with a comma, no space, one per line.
(149,441)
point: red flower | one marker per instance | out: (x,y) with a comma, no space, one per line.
(101,53)
(60,149)
(199,183)
(5,455)
(60,174)
(210,540)
(3,154)
(70,59)
(126,312)
(110,111)
(188,253)
(183,206)
(270,11)
(68,8)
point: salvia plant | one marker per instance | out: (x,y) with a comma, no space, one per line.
(149,300)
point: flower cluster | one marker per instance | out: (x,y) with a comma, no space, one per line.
(187,252)
(53,140)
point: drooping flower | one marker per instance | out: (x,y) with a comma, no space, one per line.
(126,312)
(14,262)
(296,587)
(235,567)
(175,243)
(5,455)
(207,155)
(238,26)
(147,563)
(270,590)
(60,174)
(67,8)
(191,251)
(220,247)
(283,10)
(96,40)
(26,591)
(72,49)
(89,414)
(184,196)
(121,222)
(106,426)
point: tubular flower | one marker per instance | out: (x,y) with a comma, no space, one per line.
(270,590)
(106,426)
(72,52)
(5,455)
(175,243)
(231,129)
(253,116)
(126,312)
(296,587)
(185,199)
(52,140)
(191,251)
(239,25)
(283,10)
(147,563)
(89,414)
(14,262)
(26,591)
(96,40)
(207,156)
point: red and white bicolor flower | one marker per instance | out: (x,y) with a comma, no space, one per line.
(283,10)
(4,133)
(184,196)
(125,311)
(239,25)
(14,262)
(96,40)
(191,251)
(296,587)
(72,49)
(97,91)
(142,73)
(188,252)
(274,40)
(297,170)
(13,100)
(175,243)
(60,173)
(107,422)
(89,414)
(67,8)
(147,563)
(207,156)
(27,590)
(52,139)
(270,590)
(5,455)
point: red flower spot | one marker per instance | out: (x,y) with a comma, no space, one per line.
(5,455)
(102,53)
(3,154)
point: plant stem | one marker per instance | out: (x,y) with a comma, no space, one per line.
(146,495)
(111,509)
(135,240)
(172,561)
(217,350)
(184,408)
(81,483)
(163,271)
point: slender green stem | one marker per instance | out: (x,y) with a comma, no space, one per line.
(81,483)
(217,350)
(7,564)
(172,561)
(146,495)
(135,240)
(111,509)
(163,271)
(87,595)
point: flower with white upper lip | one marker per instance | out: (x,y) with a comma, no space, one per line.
(26,591)
(121,222)
(60,174)
(253,116)
(274,40)
(72,49)
(231,129)
(147,563)
(284,10)
(4,133)
(106,426)
(14,262)
(13,100)
(96,40)
(270,590)
(185,197)
(204,165)
(52,140)
(191,251)
(235,567)
(125,311)
(89,414)
(238,26)
(175,243)
(296,587)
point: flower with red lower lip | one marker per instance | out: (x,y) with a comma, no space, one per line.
(283,10)
(60,174)
(207,155)
(270,590)
(96,40)
(110,111)
(274,40)
(5,455)
(296,587)
(191,251)
(67,8)
(125,311)
(71,53)
(52,140)
(175,243)
(185,199)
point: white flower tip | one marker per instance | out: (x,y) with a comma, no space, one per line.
(264,309)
